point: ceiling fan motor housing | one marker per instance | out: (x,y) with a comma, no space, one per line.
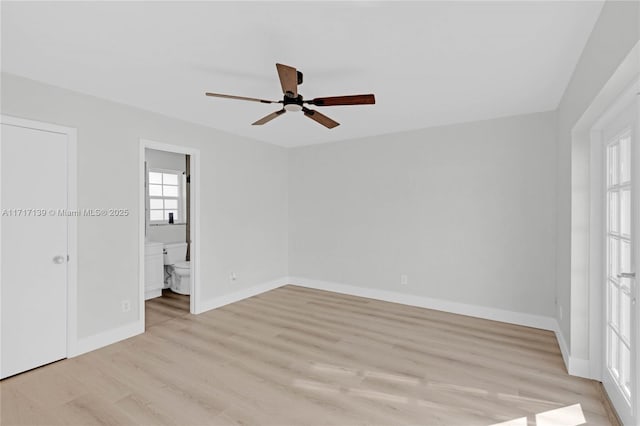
(293,104)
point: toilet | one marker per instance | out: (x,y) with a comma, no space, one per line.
(177,271)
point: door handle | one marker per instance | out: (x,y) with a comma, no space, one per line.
(59,260)
(627,275)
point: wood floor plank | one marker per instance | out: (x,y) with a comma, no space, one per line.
(298,356)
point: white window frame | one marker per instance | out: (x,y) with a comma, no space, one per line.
(619,237)
(180,198)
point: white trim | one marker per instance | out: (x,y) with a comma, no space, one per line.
(494,314)
(180,198)
(584,133)
(575,366)
(100,340)
(194,220)
(580,367)
(72,221)
(597,253)
(152,294)
(564,348)
(37,125)
(226,299)
(72,243)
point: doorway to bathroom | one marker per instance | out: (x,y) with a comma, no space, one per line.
(169,229)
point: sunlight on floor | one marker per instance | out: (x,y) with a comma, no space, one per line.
(570,415)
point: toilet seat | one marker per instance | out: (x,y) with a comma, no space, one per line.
(182,265)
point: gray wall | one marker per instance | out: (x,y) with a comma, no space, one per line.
(466,211)
(614,35)
(243,198)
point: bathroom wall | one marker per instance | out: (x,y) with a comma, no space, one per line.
(165,233)
(243,199)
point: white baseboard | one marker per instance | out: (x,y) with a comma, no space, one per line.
(97,341)
(575,366)
(518,318)
(564,348)
(580,367)
(226,299)
(151,294)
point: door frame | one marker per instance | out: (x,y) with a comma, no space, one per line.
(72,220)
(597,251)
(194,219)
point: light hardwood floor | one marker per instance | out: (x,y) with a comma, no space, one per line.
(295,356)
(169,306)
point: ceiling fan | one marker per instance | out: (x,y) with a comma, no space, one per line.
(290,78)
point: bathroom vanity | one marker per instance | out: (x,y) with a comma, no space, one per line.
(153,269)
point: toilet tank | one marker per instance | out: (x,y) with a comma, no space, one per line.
(174,253)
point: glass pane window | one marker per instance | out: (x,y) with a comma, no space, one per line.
(169,191)
(165,195)
(613,212)
(625,212)
(155,177)
(614,303)
(625,362)
(620,254)
(614,257)
(156,203)
(625,314)
(155,190)
(169,179)
(156,215)
(625,256)
(612,163)
(613,344)
(625,159)
(614,353)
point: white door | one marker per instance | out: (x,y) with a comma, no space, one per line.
(619,377)
(33,279)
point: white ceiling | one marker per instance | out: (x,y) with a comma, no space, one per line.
(428,63)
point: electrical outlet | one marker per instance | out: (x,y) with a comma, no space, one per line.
(233,276)
(404,280)
(126,306)
(560,312)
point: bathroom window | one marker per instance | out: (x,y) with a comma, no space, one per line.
(165,195)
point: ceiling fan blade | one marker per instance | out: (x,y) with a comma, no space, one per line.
(241,98)
(288,80)
(344,100)
(269,117)
(320,118)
